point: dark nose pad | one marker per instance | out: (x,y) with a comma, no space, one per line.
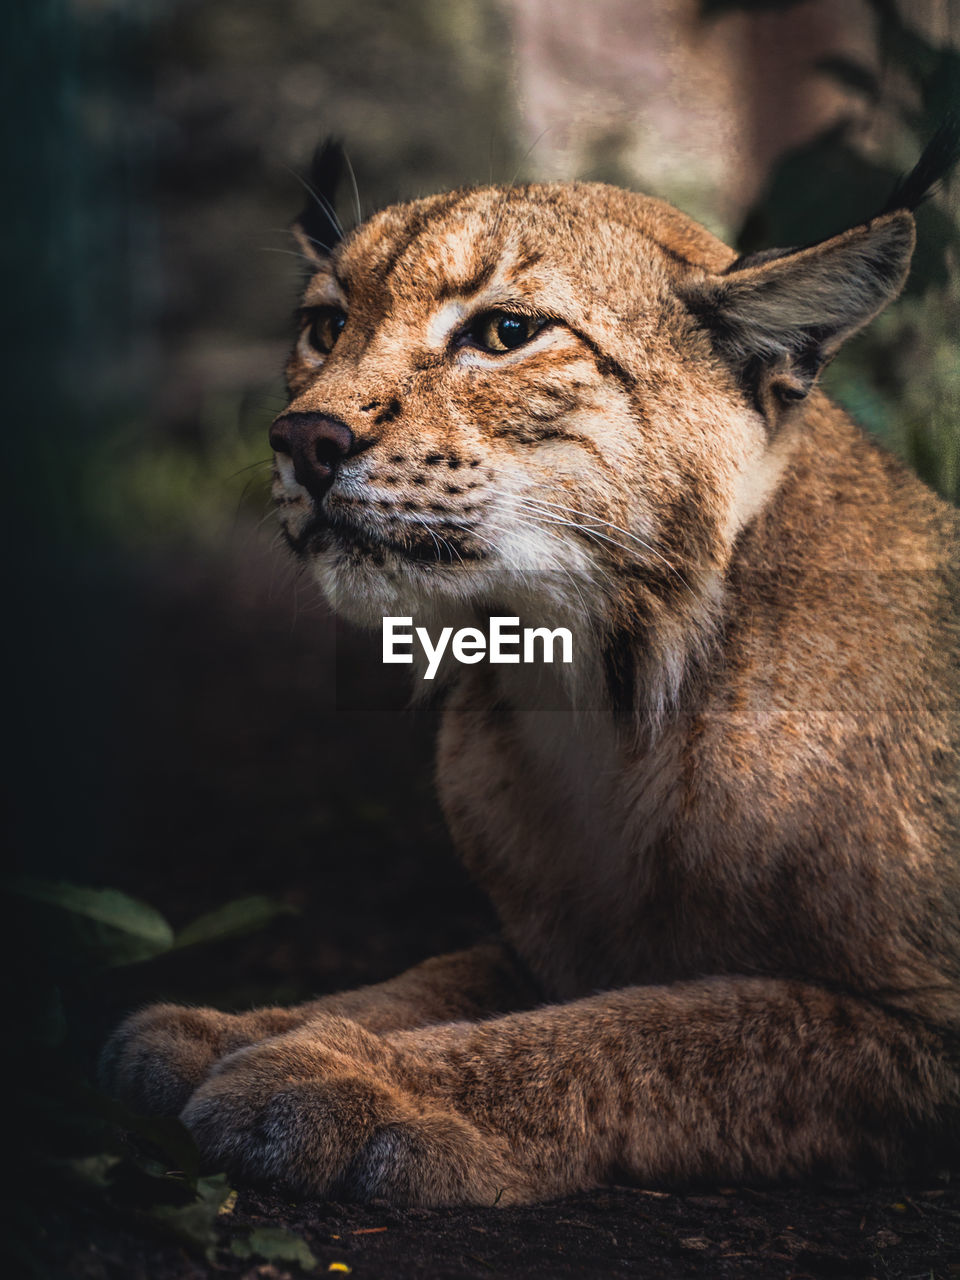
(317,444)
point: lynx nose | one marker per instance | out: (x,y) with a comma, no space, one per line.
(317,444)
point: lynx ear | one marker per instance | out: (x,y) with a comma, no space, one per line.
(780,318)
(317,230)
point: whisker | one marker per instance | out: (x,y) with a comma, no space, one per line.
(436,543)
(313,240)
(270,515)
(356,190)
(243,494)
(290,253)
(501,208)
(539,517)
(529,152)
(555,563)
(263,462)
(641,542)
(589,533)
(321,200)
(451,548)
(289,231)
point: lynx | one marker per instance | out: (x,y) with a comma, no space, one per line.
(725,849)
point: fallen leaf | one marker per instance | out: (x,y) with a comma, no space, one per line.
(192,1224)
(229,1204)
(275,1244)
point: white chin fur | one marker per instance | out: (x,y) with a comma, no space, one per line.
(365,593)
(437,595)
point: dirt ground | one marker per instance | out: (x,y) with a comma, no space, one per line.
(250,746)
(838,1232)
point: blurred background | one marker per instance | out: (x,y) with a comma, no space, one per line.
(178,751)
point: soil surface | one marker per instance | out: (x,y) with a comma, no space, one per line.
(251,746)
(838,1232)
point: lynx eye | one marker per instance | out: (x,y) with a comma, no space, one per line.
(324,327)
(500,331)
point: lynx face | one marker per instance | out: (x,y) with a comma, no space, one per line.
(558,401)
(523,404)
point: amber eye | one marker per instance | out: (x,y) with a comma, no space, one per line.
(503,330)
(324,328)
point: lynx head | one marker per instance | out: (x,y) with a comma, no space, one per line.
(550,397)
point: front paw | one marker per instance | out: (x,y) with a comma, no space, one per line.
(292,1109)
(431,1159)
(325,1122)
(157,1057)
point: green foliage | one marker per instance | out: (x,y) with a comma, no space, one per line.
(194,1223)
(901,378)
(275,1244)
(83,1151)
(103,928)
(234,919)
(827,185)
(147,493)
(104,925)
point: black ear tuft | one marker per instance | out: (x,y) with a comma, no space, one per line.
(778,320)
(939,155)
(319,221)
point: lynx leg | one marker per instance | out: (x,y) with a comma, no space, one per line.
(722,1078)
(158,1056)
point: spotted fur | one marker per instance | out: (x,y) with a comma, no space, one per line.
(724,847)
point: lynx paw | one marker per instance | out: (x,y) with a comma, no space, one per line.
(157,1057)
(323,1117)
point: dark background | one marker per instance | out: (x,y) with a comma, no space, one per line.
(176,693)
